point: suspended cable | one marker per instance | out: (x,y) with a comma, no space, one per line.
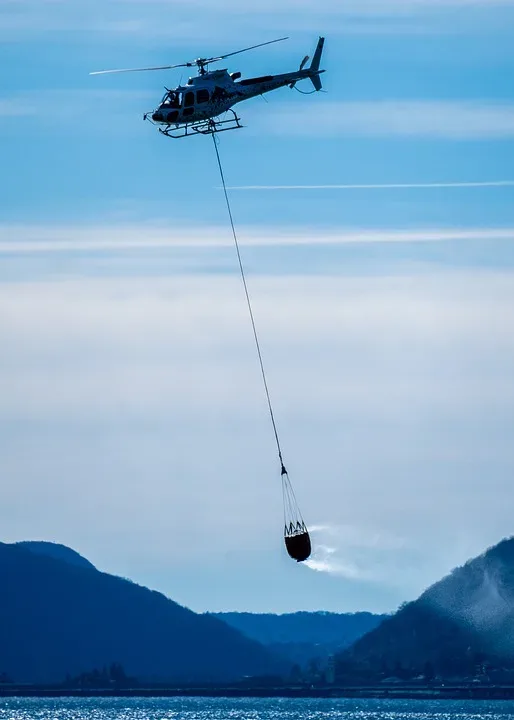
(296,536)
(248,302)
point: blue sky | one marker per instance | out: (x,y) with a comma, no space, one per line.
(133,423)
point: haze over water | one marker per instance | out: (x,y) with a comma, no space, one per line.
(250,709)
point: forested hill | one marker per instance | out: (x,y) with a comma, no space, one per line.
(461,627)
(56,551)
(60,617)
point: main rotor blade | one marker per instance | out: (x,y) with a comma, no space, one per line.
(164,67)
(200,61)
(270,42)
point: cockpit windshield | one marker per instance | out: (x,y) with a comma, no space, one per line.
(172,99)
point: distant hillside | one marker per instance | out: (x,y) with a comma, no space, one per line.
(460,627)
(59,618)
(304,636)
(59,552)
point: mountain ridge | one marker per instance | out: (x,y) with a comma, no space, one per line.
(303,637)
(59,618)
(462,622)
(57,551)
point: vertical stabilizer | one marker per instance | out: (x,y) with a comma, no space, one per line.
(315,64)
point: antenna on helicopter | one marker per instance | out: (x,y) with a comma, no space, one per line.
(200,63)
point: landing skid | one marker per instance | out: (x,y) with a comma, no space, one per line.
(202,127)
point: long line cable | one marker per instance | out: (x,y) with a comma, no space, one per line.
(248,302)
(290,503)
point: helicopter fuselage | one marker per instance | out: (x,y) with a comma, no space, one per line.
(195,108)
(212,94)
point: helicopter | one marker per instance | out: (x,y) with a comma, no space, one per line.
(195,108)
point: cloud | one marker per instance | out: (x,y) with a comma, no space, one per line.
(135,406)
(124,320)
(365,7)
(20,20)
(383,186)
(443,120)
(351,6)
(95,106)
(51,239)
(153,18)
(16,107)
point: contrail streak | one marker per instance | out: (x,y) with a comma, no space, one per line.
(389,186)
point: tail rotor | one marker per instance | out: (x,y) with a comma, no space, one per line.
(302,65)
(304,62)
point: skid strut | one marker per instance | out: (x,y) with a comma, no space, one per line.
(202,127)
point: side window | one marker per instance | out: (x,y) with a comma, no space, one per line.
(202,96)
(189,99)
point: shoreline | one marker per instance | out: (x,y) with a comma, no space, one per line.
(392,693)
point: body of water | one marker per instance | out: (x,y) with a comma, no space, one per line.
(250,709)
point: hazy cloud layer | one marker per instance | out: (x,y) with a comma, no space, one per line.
(436,119)
(189,20)
(95,106)
(46,239)
(384,186)
(445,120)
(135,408)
